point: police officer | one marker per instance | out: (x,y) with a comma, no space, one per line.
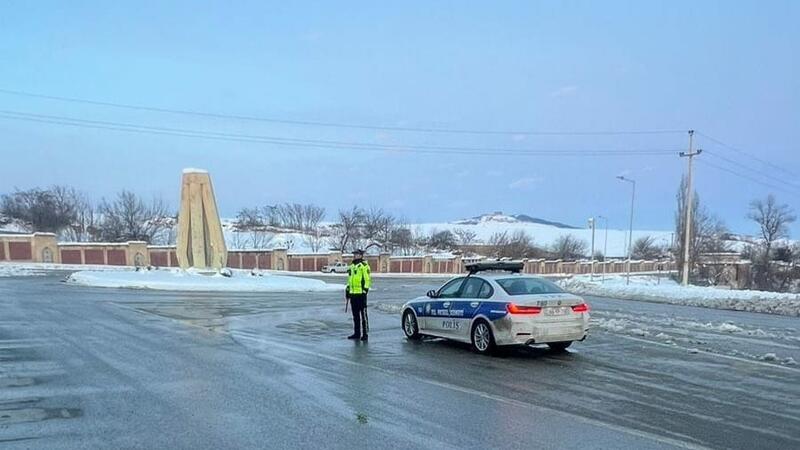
(358,284)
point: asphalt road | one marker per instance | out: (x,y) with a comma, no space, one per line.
(99,368)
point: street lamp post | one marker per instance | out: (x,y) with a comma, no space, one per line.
(605,247)
(591,225)
(630,232)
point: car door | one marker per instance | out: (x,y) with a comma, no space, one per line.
(463,310)
(437,309)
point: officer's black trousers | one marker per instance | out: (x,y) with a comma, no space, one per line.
(358,302)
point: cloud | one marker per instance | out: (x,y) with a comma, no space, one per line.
(564,91)
(525,183)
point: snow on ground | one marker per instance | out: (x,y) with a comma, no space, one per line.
(180,280)
(7,270)
(664,290)
(47,267)
(769,341)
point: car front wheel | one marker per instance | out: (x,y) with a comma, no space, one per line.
(410,327)
(482,338)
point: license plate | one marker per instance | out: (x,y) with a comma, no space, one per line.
(556,311)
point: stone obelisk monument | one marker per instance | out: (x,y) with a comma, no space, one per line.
(201,244)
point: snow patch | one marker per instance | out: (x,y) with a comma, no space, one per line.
(729,328)
(769,357)
(662,290)
(18,271)
(180,280)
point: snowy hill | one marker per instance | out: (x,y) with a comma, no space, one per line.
(517,218)
(545,234)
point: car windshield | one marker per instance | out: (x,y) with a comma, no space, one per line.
(526,286)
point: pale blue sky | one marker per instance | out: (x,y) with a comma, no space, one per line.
(729,69)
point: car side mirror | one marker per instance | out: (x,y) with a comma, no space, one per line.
(432,293)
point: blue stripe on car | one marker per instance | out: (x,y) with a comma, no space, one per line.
(463,309)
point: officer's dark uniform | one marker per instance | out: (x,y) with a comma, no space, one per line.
(358,284)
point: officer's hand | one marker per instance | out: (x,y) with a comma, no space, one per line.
(366,291)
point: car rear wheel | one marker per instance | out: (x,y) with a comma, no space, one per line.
(482,338)
(410,327)
(559,346)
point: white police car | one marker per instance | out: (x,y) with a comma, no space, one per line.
(495,305)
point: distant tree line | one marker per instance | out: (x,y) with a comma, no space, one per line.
(70,214)
(254,227)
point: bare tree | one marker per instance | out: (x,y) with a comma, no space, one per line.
(129,218)
(347,233)
(441,240)
(773,220)
(708,232)
(238,240)
(312,216)
(499,239)
(378,226)
(568,247)
(518,244)
(465,236)
(315,239)
(402,239)
(645,247)
(49,210)
(85,225)
(248,218)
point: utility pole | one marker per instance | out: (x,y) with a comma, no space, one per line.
(630,231)
(605,248)
(591,224)
(687,228)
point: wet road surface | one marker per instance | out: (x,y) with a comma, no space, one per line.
(83,367)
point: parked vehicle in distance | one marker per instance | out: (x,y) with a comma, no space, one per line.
(339,267)
(495,305)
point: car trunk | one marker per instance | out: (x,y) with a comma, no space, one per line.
(546,300)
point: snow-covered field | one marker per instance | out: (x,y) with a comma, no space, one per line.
(664,290)
(179,280)
(545,235)
(483,227)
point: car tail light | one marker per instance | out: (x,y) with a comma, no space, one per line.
(582,308)
(516,309)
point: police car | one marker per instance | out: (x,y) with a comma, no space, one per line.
(495,305)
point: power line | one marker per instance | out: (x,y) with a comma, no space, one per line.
(280,139)
(739,174)
(135,128)
(334,124)
(749,155)
(769,176)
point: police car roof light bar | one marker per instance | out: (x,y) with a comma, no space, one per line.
(507,266)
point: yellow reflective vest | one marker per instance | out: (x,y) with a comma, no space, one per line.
(359,279)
